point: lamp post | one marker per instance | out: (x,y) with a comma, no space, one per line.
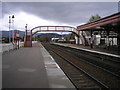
(13,26)
(11,21)
(25,37)
(9,29)
(26,26)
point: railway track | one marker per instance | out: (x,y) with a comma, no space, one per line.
(81,73)
(77,77)
(108,63)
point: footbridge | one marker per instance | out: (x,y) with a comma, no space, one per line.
(85,33)
(30,33)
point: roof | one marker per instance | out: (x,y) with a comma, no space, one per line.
(107,20)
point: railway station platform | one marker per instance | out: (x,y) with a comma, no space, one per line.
(94,50)
(32,67)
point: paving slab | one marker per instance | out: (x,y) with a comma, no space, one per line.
(32,68)
(24,68)
(56,77)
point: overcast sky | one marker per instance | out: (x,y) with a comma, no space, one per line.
(54,13)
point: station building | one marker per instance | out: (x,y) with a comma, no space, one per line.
(102,33)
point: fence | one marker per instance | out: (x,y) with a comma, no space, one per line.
(10,46)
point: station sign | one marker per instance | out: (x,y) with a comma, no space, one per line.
(16,35)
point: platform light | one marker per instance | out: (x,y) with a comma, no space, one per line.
(9,28)
(13,25)
(26,26)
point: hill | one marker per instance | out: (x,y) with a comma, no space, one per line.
(22,33)
(49,35)
(6,33)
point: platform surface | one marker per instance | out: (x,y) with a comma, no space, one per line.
(94,50)
(32,68)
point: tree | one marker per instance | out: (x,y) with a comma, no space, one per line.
(94,18)
(6,40)
(44,39)
(72,36)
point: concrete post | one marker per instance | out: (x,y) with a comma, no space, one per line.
(76,39)
(91,41)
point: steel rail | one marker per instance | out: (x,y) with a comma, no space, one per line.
(97,81)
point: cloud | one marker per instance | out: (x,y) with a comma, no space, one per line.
(22,18)
(70,13)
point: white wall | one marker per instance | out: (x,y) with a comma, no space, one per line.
(76,40)
(9,46)
(110,41)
